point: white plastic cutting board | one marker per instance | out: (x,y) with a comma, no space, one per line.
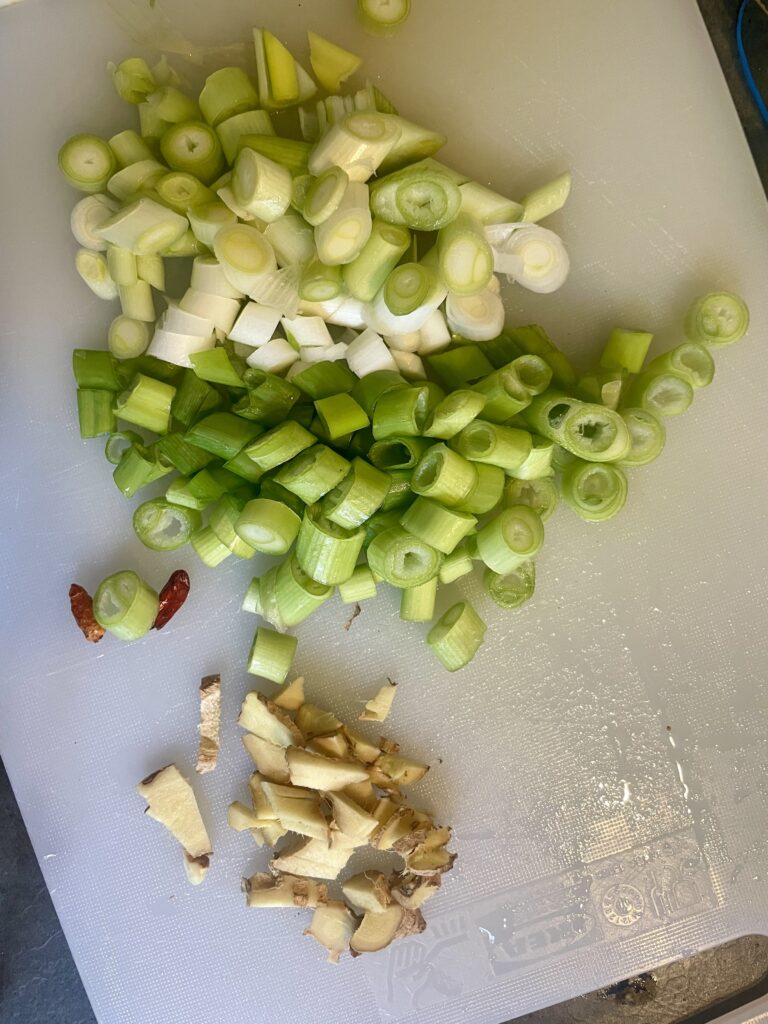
(605,758)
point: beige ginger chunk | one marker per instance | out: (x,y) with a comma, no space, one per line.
(324,773)
(297,809)
(336,745)
(291,696)
(390,771)
(363,794)
(350,818)
(378,930)
(377,709)
(280,890)
(332,926)
(413,891)
(268,757)
(362,748)
(171,801)
(265,719)
(244,819)
(315,858)
(369,891)
(314,721)
(272,833)
(210,724)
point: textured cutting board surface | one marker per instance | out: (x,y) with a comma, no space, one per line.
(604,759)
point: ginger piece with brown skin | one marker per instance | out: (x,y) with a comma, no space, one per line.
(379,707)
(391,771)
(292,696)
(281,890)
(363,794)
(196,868)
(332,926)
(314,721)
(413,891)
(265,719)
(362,748)
(210,724)
(369,891)
(378,930)
(171,801)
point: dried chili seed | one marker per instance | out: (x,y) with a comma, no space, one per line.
(172,597)
(81,603)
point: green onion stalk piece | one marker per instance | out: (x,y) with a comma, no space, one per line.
(231,131)
(588,431)
(268,526)
(442,528)
(261,186)
(361,586)
(290,154)
(717,319)
(460,367)
(487,492)
(421,199)
(506,447)
(662,393)
(399,492)
(360,494)
(209,548)
(331,64)
(138,467)
(401,559)
(358,144)
(541,494)
(534,340)
(539,462)
(444,476)
(313,473)
(546,199)
(279,445)
(397,452)
(132,79)
(87,162)
(223,521)
(271,655)
(368,390)
(343,235)
(327,553)
(95,412)
(465,257)
(340,415)
(161,526)
(118,443)
(453,413)
(125,605)
(456,638)
(512,589)
(691,360)
(367,273)
(383,17)
(129,148)
(147,403)
(647,436)
(193,146)
(402,411)
(626,350)
(513,536)
(595,493)
(227,92)
(417,604)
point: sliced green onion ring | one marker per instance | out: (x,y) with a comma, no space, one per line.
(125,605)
(161,526)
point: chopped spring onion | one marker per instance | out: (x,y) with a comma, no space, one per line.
(268,526)
(417,604)
(147,403)
(177,348)
(193,146)
(546,199)
(595,493)
(136,178)
(271,655)
(341,415)
(460,366)
(534,341)
(369,389)
(331,64)
(513,536)
(182,455)
(136,301)
(539,462)
(307,332)
(313,473)
(285,595)
(603,387)
(292,239)
(376,261)
(193,398)
(222,434)
(279,445)
(477,317)
(276,356)
(409,287)
(359,495)
(459,563)
(250,122)
(244,254)
(320,283)
(327,552)
(360,586)
(87,162)
(173,106)
(215,309)
(122,266)
(383,17)
(399,492)
(367,354)
(512,589)
(418,197)
(143,227)
(647,436)
(415,145)
(505,393)
(539,493)
(128,338)
(137,468)
(132,79)
(151,125)
(290,154)
(444,475)
(129,148)
(255,325)
(95,412)
(88,215)
(487,206)
(402,411)
(443,528)
(282,80)
(662,393)
(227,92)
(357,144)
(161,526)
(125,605)
(506,447)
(465,258)
(261,186)
(456,638)
(209,548)
(223,520)
(717,319)
(453,413)
(530,255)
(325,195)
(324,379)
(487,492)
(93,269)
(342,236)
(401,559)
(118,443)
(208,219)
(185,245)
(588,431)
(152,270)
(691,360)
(181,190)
(626,350)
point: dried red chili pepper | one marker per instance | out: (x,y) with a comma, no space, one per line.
(81,603)
(172,597)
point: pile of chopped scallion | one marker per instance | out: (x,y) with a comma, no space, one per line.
(337,385)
